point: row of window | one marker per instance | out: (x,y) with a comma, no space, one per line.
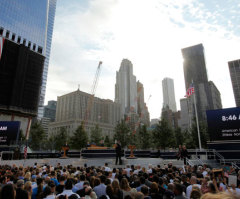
(19,40)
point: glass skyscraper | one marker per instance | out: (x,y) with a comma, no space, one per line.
(30,22)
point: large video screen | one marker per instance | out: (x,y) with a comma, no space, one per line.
(9,132)
(224,124)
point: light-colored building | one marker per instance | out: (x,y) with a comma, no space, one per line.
(185,114)
(169,94)
(142,107)
(71,112)
(234,69)
(126,88)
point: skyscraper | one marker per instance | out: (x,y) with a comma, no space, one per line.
(195,72)
(234,69)
(169,94)
(142,107)
(126,88)
(30,23)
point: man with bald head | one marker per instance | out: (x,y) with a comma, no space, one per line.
(193,182)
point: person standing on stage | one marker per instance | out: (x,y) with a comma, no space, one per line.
(184,154)
(118,153)
(179,154)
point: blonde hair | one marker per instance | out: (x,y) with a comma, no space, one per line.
(28,186)
(220,195)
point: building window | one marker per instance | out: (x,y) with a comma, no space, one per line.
(39,49)
(29,44)
(1,31)
(19,40)
(13,37)
(34,47)
(7,34)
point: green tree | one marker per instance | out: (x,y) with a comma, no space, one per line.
(107,141)
(188,139)
(122,133)
(179,136)
(60,138)
(163,135)
(144,137)
(79,139)
(203,133)
(96,135)
(36,136)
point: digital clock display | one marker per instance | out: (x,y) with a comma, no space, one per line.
(224,124)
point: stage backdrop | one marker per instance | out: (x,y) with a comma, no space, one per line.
(9,132)
(224,124)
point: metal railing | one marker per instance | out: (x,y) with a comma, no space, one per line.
(221,158)
(234,165)
(189,162)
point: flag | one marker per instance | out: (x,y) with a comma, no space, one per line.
(1,45)
(25,152)
(190,91)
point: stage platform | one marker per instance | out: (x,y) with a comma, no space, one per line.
(144,162)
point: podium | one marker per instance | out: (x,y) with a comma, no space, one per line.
(65,149)
(131,147)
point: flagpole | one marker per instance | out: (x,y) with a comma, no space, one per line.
(196,115)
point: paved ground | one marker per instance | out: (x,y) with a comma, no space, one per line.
(144,162)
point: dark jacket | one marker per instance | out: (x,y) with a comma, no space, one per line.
(118,149)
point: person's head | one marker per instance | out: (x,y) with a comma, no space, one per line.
(20,184)
(154,187)
(137,195)
(102,178)
(193,180)
(82,177)
(178,189)
(184,146)
(142,180)
(28,186)
(8,192)
(211,187)
(69,184)
(52,185)
(195,194)
(115,185)
(180,146)
(47,191)
(96,182)
(124,184)
(144,190)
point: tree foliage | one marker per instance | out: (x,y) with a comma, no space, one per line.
(107,141)
(163,135)
(79,139)
(96,135)
(144,137)
(179,136)
(203,133)
(122,133)
(36,136)
(60,138)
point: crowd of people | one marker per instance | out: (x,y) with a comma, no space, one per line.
(130,182)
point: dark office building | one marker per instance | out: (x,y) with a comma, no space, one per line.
(50,110)
(195,71)
(234,69)
(20,79)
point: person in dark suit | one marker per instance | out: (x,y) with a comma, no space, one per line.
(184,154)
(118,153)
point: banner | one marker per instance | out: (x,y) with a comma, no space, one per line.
(9,132)
(224,124)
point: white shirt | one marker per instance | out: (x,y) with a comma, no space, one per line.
(128,171)
(204,173)
(189,189)
(50,196)
(68,193)
(107,169)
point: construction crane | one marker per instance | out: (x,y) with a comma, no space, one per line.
(93,90)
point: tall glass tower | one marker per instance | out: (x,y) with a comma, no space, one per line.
(30,22)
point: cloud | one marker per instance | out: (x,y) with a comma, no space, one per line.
(149,33)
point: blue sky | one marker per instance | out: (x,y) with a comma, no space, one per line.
(149,33)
